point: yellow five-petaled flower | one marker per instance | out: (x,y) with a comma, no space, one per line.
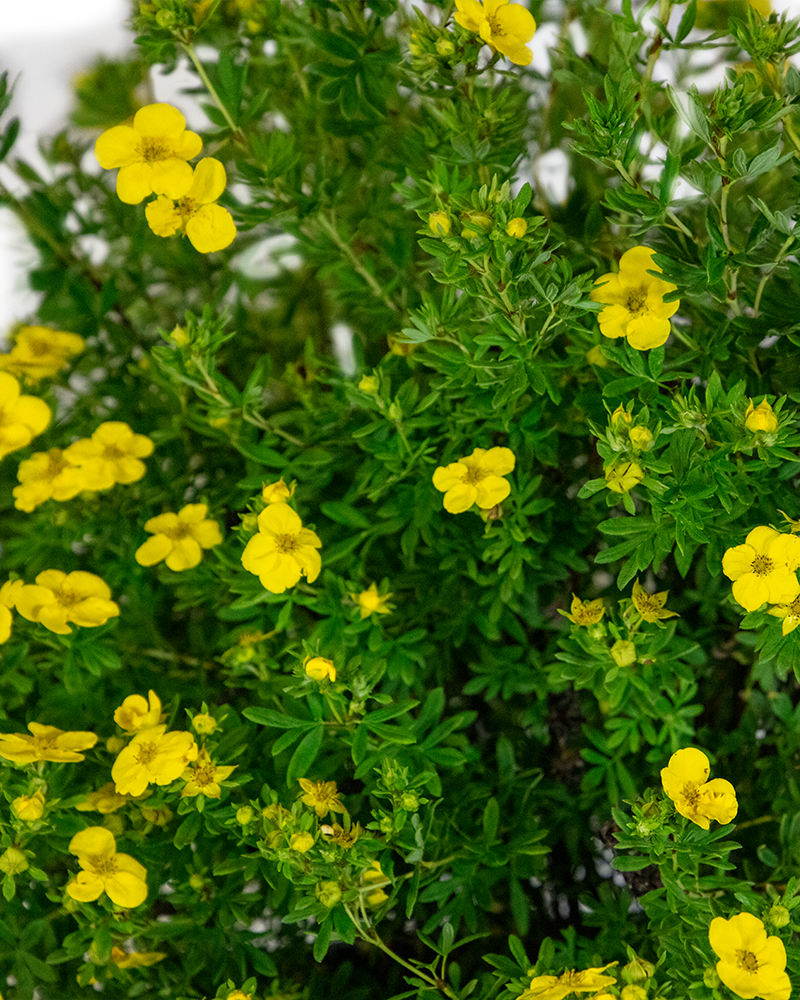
(40,353)
(322,796)
(751,964)
(685,780)
(570,981)
(179,538)
(476,478)
(21,417)
(502,25)
(651,606)
(283,549)
(764,568)
(46,743)
(209,226)
(371,602)
(120,876)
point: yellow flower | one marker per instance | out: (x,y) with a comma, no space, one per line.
(763,569)
(622,477)
(47,743)
(105,800)
(283,550)
(40,353)
(318,668)
(58,598)
(477,478)
(504,26)
(685,781)
(398,347)
(104,870)
(46,475)
(204,723)
(370,601)
(476,224)
(203,777)
(651,606)
(8,600)
(153,756)
(620,414)
(111,455)
(136,713)
(790,613)
(179,538)
(301,842)
(135,959)
(374,877)
(151,154)
(238,995)
(623,653)
(641,438)
(570,981)
(29,807)
(336,834)
(633,992)
(634,301)
(277,492)
(596,357)
(517,228)
(209,226)
(439,223)
(750,963)
(21,417)
(370,384)
(761,418)
(160,816)
(322,796)
(585,612)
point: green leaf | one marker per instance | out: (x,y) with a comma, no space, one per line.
(305,755)
(343,513)
(323,939)
(687,21)
(491,819)
(268,717)
(188,830)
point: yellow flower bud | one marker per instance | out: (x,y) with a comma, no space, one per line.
(622,478)
(301,842)
(369,383)
(158,817)
(596,357)
(13,861)
(204,723)
(328,893)
(244,815)
(318,668)
(115,743)
(445,47)
(249,523)
(638,969)
(778,915)
(761,418)
(620,414)
(641,438)
(277,492)
(439,223)
(517,228)
(196,882)
(29,807)
(476,223)
(623,653)
(398,347)
(179,337)
(634,992)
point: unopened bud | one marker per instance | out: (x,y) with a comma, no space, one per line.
(328,893)
(778,915)
(13,861)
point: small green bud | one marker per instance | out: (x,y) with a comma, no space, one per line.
(13,861)
(244,815)
(710,978)
(778,915)
(328,893)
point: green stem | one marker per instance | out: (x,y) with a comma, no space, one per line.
(766,275)
(370,279)
(236,132)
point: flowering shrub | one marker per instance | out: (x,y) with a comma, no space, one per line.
(275,723)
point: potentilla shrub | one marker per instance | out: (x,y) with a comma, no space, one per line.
(399,553)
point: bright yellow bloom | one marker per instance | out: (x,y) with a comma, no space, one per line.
(504,26)
(301,842)
(151,154)
(58,598)
(21,417)
(685,781)
(763,569)
(238,994)
(634,301)
(790,613)
(318,668)
(623,653)
(209,226)
(585,612)
(477,478)
(439,223)
(8,600)
(651,606)
(47,743)
(46,475)
(41,353)
(751,964)
(153,756)
(136,713)
(322,796)
(761,418)
(374,876)
(111,455)
(371,602)
(135,959)
(105,800)
(204,723)
(622,477)
(104,870)
(203,777)
(29,807)
(277,492)
(641,438)
(570,981)
(517,228)
(283,550)
(179,538)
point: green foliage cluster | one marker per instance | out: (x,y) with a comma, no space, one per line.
(491,757)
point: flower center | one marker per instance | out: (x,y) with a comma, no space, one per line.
(66,598)
(495,27)
(474,475)
(151,149)
(146,752)
(747,960)
(102,865)
(286,543)
(762,566)
(204,775)
(38,347)
(113,453)
(636,301)
(179,531)
(691,792)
